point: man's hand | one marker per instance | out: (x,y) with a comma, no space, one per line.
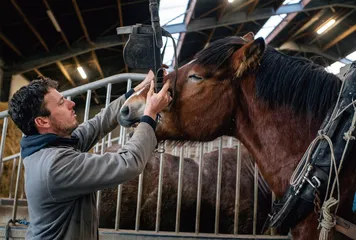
(150,76)
(156,102)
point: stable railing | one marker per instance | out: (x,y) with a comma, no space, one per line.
(195,152)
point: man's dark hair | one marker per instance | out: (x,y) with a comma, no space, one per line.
(28,103)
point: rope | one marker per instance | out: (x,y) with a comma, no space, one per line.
(328,221)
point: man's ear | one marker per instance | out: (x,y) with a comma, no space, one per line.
(42,122)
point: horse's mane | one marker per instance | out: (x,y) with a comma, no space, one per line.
(297,82)
(281,80)
(218,53)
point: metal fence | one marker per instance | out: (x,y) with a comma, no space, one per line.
(181,151)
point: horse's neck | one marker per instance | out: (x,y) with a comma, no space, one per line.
(276,138)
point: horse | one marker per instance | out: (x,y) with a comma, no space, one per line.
(273,103)
(189,195)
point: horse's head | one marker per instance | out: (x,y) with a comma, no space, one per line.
(205,102)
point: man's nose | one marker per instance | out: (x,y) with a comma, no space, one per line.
(71,104)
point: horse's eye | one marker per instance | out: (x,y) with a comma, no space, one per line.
(194,77)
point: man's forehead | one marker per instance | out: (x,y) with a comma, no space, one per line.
(53,95)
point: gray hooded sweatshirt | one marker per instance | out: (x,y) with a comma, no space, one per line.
(61,178)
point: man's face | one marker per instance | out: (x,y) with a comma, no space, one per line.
(63,119)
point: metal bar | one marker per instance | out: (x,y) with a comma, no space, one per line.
(230,142)
(159,194)
(2,143)
(12,176)
(200,175)
(14,209)
(118,207)
(255,201)
(108,96)
(131,234)
(23,187)
(87,106)
(8,158)
(118,78)
(139,201)
(237,192)
(180,187)
(107,102)
(218,189)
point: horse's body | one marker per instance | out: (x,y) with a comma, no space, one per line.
(274,104)
(189,195)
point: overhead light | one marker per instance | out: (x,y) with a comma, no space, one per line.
(54,21)
(230,1)
(326,25)
(81,72)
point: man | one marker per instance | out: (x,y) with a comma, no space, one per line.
(61,178)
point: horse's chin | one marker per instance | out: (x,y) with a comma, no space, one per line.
(129,123)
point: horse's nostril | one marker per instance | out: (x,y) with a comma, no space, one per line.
(125,111)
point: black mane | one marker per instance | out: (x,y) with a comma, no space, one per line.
(218,53)
(297,82)
(281,80)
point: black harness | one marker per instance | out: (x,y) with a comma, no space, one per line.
(311,187)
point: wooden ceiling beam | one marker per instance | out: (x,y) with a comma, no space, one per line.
(10,44)
(121,22)
(81,20)
(97,64)
(340,37)
(65,73)
(33,29)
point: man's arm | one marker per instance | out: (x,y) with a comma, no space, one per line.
(73,173)
(91,131)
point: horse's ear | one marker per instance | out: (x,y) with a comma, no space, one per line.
(249,37)
(248,56)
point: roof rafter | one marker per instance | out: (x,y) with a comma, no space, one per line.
(242,17)
(33,29)
(63,53)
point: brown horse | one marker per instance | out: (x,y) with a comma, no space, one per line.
(273,103)
(189,195)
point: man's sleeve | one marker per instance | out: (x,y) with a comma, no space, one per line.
(72,173)
(91,131)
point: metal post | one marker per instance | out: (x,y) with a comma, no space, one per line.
(12,176)
(2,143)
(108,99)
(118,207)
(200,175)
(159,194)
(180,187)
(14,210)
(237,191)
(218,189)
(139,200)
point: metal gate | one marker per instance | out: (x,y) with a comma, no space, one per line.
(18,199)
